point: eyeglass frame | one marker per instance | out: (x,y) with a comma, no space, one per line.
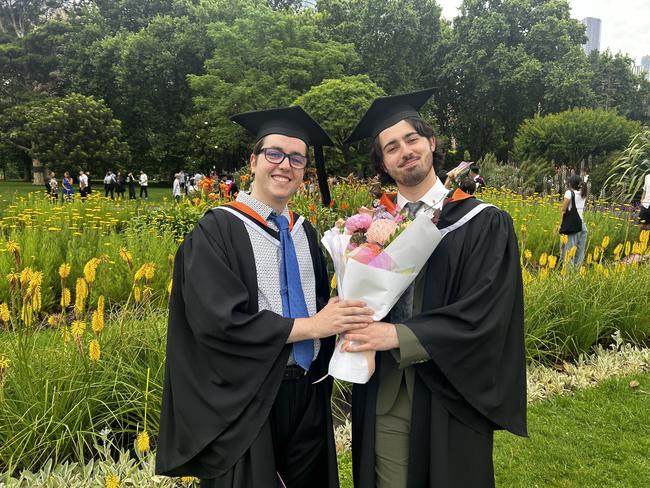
(285,156)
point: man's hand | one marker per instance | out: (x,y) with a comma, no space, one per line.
(337,317)
(379,336)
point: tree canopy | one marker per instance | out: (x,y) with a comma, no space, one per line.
(253,68)
(351,95)
(73,132)
(173,71)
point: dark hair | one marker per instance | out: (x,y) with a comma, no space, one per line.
(257,148)
(442,175)
(468,185)
(576,183)
(423,129)
(474,168)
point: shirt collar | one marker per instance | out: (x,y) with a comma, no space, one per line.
(432,198)
(261,208)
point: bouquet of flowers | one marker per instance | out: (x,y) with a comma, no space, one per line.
(376,256)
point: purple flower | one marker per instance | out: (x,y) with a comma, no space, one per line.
(358,222)
(381,213)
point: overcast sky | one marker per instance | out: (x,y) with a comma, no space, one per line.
(625,23)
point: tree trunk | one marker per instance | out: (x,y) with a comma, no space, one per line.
(37,168)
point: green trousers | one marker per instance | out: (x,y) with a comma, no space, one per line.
(392,442)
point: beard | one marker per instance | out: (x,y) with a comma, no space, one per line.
(415,175)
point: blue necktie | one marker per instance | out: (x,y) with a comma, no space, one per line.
(293,298)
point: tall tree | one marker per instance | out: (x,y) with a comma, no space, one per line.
(256,67)
(143,78)
(397,40)
(18,17)
(338,105)
(65,134)
(617,87)
(508,60)
(32,36)
(133,15)
(31,65)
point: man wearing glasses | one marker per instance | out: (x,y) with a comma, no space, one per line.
(251,330)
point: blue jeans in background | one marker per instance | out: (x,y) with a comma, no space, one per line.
(579,239)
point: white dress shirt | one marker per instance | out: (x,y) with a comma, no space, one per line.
(432,199)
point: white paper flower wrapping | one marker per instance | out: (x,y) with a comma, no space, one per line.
(379,288)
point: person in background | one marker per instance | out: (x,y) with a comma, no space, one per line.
(233,189)
(478,179)
(54,188)
(119,185)
(183,181)
(197,179)
(577,188)
(190,188)
(644,209)
(67,186)
(144,184)
(46,182)
(109,184)
(468,185)
(176,188)
(130,182)
(83,184)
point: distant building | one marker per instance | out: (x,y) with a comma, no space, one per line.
(593,34)
(645,63)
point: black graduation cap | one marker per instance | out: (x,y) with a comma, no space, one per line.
(387,111)
(291,122)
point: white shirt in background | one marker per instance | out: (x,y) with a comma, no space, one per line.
(580,202)
(646,188)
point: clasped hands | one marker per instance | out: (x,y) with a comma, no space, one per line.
(352,320)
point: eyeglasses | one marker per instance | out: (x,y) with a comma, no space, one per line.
(275,156)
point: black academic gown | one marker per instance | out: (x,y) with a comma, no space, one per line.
(225,358)
(471,325)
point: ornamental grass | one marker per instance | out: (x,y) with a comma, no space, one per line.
(61,388)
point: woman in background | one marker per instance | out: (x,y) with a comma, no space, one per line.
(67,187)
(577,188)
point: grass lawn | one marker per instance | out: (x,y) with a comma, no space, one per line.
(598,438)
(11,189)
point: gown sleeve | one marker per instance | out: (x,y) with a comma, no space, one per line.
(473,333)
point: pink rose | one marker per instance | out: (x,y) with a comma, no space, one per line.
(358,222)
